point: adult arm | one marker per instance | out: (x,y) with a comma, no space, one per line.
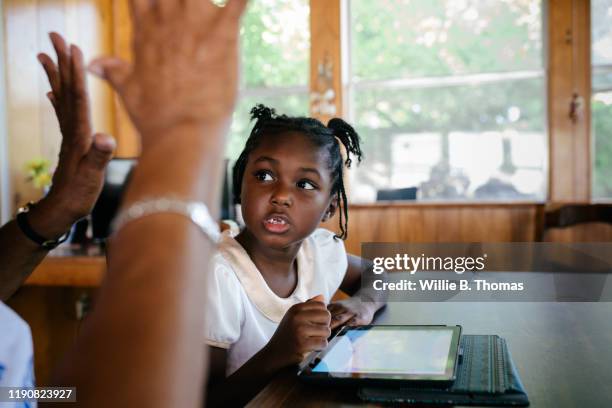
(142,344)
(76,182)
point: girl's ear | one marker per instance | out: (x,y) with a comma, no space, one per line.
(331,210)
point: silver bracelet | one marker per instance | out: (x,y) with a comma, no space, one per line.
(196,211)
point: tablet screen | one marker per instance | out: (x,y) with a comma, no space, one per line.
(385,350)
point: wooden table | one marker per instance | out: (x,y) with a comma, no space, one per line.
(563,351)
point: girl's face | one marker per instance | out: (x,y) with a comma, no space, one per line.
(286,189)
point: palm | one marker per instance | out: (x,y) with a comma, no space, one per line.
(184,71)
(76,182)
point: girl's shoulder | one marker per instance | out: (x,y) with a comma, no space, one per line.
(324,245)
(222,267)
(325,239)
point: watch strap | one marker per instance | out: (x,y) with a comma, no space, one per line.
(26,228)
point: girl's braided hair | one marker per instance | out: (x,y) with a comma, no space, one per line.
(267,122)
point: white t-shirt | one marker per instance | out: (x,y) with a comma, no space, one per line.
(16,355)
(243,312)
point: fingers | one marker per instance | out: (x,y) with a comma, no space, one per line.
(51,71)
(101,151)
(52,99)
(63,59)
(315,343)
(316,316)
(138,9)
(315,330)
(167,8)
(77,72)
(339,315)
(317,301)
(234,10)
(341,319)
(113,70)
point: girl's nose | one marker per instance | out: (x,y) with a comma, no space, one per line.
(281,197)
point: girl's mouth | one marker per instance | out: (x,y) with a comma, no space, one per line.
(276,224)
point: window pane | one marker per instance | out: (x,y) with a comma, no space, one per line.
(601,35)
(601,98)
(415,38)
(275,39)
(459,137)
(292,105)
(275,60)
(601,111)
(458,142)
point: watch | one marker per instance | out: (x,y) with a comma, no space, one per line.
(24,225)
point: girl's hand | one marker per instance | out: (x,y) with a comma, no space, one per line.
(351,311)
(185,65)
(83,156)
(304,328)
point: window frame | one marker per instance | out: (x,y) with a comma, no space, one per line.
(567,65)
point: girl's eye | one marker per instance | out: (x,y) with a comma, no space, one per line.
(306,185)
(263,175)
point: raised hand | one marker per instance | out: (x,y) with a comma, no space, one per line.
(185,65)
(83,156)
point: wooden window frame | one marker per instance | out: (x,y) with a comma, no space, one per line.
(567,67)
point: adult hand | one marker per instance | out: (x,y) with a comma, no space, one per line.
(185,66)
(83,156)
(304,328)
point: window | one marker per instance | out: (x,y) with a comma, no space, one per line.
(449,97)
(601,97)
(275,47)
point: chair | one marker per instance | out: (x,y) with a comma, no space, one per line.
(574,254)
(570,215)
(397,194)
(117,176)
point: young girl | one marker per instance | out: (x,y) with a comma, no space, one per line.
(270,284)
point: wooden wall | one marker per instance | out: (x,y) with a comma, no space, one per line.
(32,127)
(444,222)
(448,222)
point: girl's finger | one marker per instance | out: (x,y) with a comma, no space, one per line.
(321,316)
(63,59)
(316,343)
(51,71)
(339,320)
(335,308)
(318,330)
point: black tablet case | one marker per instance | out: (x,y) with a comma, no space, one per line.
(486,375)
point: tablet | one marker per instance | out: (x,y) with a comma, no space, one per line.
(426,355)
